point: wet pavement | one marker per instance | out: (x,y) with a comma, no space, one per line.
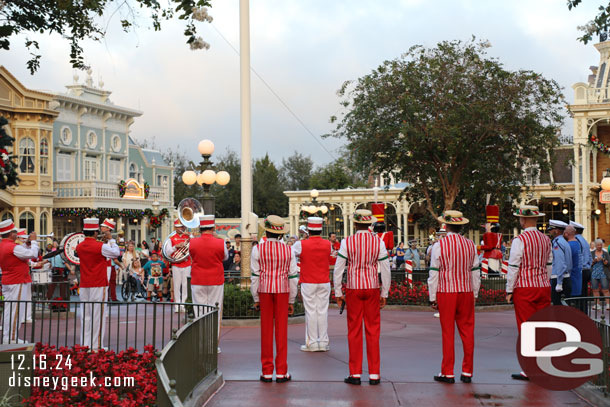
(410,356)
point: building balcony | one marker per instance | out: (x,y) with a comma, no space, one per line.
(96,194)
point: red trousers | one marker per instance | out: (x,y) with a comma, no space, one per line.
(112,285)
(363,305)
(456,309)
(274,314)
(529,300)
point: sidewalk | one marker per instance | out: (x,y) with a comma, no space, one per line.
(410,356)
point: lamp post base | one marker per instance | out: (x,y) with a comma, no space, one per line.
(209,205)
(246,252)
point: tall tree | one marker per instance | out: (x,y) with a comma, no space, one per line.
(335,175)
(295,172)
(269,198)
(77,20)
(452,123)
(228,197)
(599,25)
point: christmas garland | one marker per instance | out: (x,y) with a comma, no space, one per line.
(146,190)
(303,215)
(122,188)
(101,213)
(594,141)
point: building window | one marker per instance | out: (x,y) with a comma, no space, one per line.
(6,216)
(90,168)
(44,156)
(133,171)
(43,223)
(91,139)
(66,136)
(63,167)
(115,173)
(26,221)
(26,155)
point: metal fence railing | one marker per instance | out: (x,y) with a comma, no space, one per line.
(597,308)
(188,359)
(60,323)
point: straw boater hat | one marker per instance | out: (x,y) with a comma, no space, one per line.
(275,224)
(7,226)
(91,224)
(363,216)
(528,211)
(206,221)
(109,223)
(453,218)
(314,223)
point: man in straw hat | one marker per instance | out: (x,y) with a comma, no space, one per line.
(314,255)
(529,269)
(14,260)
(274,289)
(365,253)
(94,281)
(453,285)
(208,253)
(109,225)
(181,270)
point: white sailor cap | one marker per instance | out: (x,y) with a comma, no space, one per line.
(576,225)
(557,224)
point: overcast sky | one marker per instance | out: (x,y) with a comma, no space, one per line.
(304,50)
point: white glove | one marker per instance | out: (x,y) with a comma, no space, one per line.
(559,288)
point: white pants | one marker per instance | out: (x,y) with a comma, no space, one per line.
(208,295)
(179,275)
(93,316)
(315,300)
(14,314)
(28,297)
(495,265)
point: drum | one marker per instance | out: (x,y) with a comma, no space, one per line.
(68,247)
(41,277)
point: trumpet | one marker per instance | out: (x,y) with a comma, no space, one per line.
(42,238)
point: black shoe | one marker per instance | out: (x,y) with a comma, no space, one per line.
(284,379)
(444,379)
(519,376)
(374,382)
(466,379)
(352,380)
(266,379)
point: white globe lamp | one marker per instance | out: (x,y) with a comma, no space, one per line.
(189,177)
(206,147)
(208,177)
(223,178)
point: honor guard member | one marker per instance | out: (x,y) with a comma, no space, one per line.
(108,225)
(94,281)
(454,282)
(14,261)
(22,237)
(529,269)
(314,254)
(561,282)
(365,253)
(274,289)
(586,260)
(180,271)
(208,253)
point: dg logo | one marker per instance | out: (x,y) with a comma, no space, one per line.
(560,348)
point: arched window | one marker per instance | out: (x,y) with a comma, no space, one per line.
(6,215)
(26,155)
(133,171)
(43,223)
(26,221)
(44,156)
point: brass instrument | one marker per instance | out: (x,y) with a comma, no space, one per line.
(189,211)
(179,255)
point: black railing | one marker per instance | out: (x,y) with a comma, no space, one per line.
(127,325)
(597,308)
(187,360)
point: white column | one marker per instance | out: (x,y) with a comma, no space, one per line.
(577,197)
(246,161)
(399,221)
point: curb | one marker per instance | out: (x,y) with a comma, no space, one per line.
(257,322)
(204,390)
(592,394)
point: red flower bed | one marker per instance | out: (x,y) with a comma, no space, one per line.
(119,367)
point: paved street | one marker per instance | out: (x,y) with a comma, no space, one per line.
(410,356)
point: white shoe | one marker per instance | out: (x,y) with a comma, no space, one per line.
(218,350)
(305,348)
(437,315)
(28,321)
(607,306)
(323,348)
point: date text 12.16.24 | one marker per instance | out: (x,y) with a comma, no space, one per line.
(40,361)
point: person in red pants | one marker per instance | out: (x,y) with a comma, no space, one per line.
(365,253)
(274,288)
(453,284)
(529,270)
(108,225)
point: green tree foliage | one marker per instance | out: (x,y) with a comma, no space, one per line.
(77,20)
(228,197)
(335,175)
(8,168)
(269,198)
(599,25)
(295,172)
(452,123)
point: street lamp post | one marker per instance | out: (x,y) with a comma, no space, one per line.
(206,177)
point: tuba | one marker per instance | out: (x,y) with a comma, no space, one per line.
(179,255)
(189,210)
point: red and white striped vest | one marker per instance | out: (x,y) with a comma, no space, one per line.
(532,271)
(274,261)
(362,256)
(456,260)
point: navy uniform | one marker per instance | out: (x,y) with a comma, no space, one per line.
(586,260)
(562,264)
